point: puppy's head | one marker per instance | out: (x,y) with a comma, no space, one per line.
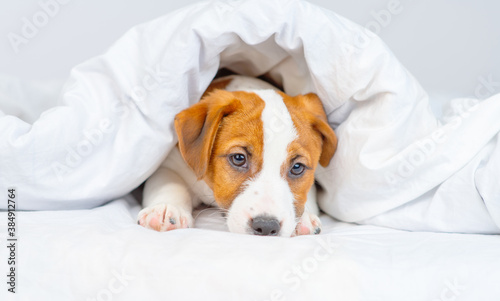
(257,151)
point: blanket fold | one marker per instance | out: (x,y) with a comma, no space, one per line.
(397,164)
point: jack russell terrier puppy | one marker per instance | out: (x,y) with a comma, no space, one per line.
(250,149)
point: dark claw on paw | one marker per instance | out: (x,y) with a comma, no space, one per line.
(317,230)
(172,221)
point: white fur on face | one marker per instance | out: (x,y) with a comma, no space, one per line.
(268,193)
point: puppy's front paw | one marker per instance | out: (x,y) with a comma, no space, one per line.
(163,217)
(309,223)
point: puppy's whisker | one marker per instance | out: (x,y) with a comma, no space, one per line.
(218,212)
(203,210)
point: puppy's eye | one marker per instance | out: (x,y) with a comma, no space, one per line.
(297,169)
(238,160)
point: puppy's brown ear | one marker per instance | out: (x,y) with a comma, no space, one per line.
(197,127)
(320,123)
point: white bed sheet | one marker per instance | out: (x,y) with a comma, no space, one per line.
(102,254)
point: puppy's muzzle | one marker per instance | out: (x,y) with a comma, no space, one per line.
(265,225)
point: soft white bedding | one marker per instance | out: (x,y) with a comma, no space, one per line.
(397,166)
(102,254)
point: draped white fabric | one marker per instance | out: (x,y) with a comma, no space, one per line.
(397,165)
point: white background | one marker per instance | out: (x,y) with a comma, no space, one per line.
(450,46)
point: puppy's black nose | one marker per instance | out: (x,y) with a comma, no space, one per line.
(265,225)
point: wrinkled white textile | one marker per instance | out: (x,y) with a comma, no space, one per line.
(396,164)
(102,254)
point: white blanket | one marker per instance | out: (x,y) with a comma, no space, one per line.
(102,254)
(396,164)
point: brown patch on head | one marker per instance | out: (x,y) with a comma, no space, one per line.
(222,124)
(197,127)
(316,142)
